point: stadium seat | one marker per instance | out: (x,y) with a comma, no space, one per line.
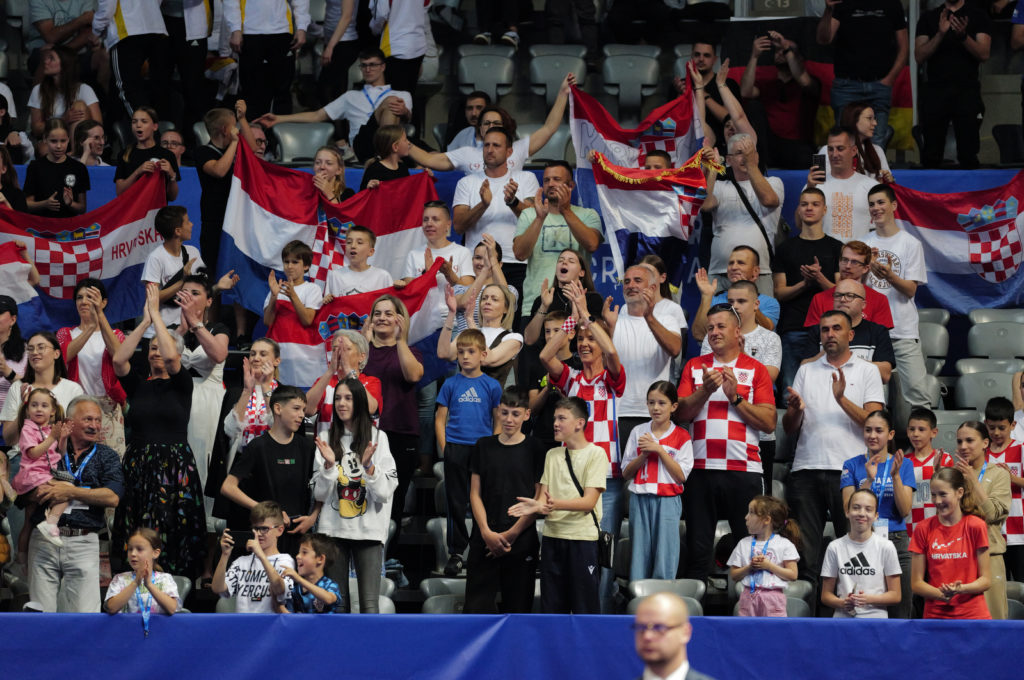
(201,135)
(622,559)
(226,605)
(975,389)
(184,584)
(1015,610)
(996,339)
(618,50)
(934,345)
(679,67)
(947,422)
(566,50)
(440,132)
(975,365)
(437,529)
(556,147)
(686,587)
(317,9)
(387,589)
(442,586)
(933,387)
(547,73)
(491,74)
(988,315)
(438,470)
(933,315)
(693,605)
(683,50)
(3,65)
(797,608)
(299,141)
(1010,142)
(444,604)
(784,444)
(1015,591)
(630,78)
(471,50)
(778,489)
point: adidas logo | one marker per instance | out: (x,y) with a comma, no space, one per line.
(470,397)
(857,566)
(591,569)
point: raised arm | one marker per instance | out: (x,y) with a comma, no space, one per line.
(539,138)
(123,356)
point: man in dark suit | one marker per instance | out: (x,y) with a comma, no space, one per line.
(662,630)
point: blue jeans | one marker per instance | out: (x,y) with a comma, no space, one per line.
(845,91)
(612,510)
(654,535)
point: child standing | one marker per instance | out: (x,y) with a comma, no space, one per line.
(42,434)
(256,580)
(358,275)
(146,156)
(145,589)
(503,550)
(864,565)
(569,496)
(55,185)
(656,460)
(765,574)
(1005,452)
(168,265)
(304,296)
(922,428)
(391,144)
(543,393)
(957,578)
(467,408)
(313,593)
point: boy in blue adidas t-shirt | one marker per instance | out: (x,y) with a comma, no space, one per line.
(466,411)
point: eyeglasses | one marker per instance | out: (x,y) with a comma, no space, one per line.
(370,64)
(261,142)
(724,307)
(656,628)
(261,531)
(847,296)
(847,260)
(170,143)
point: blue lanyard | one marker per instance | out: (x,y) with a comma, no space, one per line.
(756,576)
(81,468)
(982,473)
(878,485)
(374,102)
(145,608)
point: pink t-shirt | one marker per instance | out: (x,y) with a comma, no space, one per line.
(34,472)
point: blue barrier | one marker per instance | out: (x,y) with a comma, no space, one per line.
(492,647)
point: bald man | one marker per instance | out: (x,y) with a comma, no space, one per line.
(662,630)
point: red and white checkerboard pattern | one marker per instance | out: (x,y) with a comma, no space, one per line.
(995,253)
(62,265)
(1013,527)
(602,428)
(325,255)
(721,438)
(653,477)
(922,508)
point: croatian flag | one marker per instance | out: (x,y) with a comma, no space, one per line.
(304,349)
(270,205)
(649,211)
(972,243)
(110,243)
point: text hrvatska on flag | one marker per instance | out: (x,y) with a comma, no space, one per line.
(304,348)
(648,211)
(972,243)
(269,206)
(110,244)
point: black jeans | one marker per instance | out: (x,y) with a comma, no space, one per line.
(814,495)
(710,495)
(456,494)
(189,57)
(266,67)
(959,103)
(512,574)
(126,60)
(403,448)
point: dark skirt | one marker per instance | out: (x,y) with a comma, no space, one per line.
(162,492)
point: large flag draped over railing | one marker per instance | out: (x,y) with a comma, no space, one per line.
(972,243)
(648,211)
(110,243)
(270,205)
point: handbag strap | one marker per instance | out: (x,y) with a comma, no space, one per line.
(572,473)
(750,209)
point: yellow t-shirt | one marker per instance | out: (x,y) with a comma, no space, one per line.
(591,466)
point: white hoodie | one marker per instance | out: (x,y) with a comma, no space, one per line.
(363,514)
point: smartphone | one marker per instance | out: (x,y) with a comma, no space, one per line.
(241,537)
(818,159)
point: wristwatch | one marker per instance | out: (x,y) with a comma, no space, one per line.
(737,400)
(198,325)
(513,203)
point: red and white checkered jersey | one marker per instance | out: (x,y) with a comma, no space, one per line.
(653,477)
(325,409)
(722,440)
(1013,527)
(922,507)
(603,428)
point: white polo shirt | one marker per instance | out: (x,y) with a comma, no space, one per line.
(498,220)
(828,436)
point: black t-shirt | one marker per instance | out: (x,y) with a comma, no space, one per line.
(870,342)
(44,177)
(789,257)
(506,472)
(213,201)
(865,44)
(543,417)
(270,471)
(139,156)
(192,342)
(158,410)
(380,171)
(15,198)
(951,63)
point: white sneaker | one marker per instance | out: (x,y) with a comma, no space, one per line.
(50,532)
(482,38)
(511,38)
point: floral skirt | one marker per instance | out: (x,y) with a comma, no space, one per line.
(162,492)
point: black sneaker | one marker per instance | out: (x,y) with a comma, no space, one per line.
(454,566)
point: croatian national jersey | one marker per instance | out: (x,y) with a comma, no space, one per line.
(922,507)
(722,440)
(653,477)
(1013,527)
(325,410)
(600,393)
